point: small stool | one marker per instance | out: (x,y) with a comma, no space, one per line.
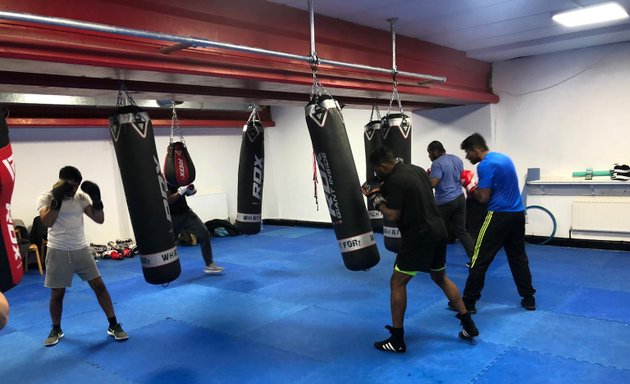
(33,247)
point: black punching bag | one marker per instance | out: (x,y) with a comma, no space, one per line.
(372,139)
(11,269)
(250,178)
(396,132)
(341,183)
(146,193)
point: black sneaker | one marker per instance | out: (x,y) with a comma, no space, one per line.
(529,303)
(117,332)
(470,306)
(469,330)
(53,337)
(395,343)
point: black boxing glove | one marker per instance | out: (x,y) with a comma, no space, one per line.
(59,192)
(371,187)
(94,192)
(372,190)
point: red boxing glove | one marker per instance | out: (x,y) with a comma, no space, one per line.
(467,181)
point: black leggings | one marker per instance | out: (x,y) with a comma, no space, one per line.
(191,222)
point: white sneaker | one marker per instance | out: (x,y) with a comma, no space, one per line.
(213,268)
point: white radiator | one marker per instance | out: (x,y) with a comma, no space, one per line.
(602,215)
(208,206)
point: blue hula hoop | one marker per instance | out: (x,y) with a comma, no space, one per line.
(553,221)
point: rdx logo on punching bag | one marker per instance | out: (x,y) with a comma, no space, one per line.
(179,158)
(163,188)
(258,177)
(11,230)
(10,166)
(327,184)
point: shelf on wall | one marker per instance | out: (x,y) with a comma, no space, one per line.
(574,186)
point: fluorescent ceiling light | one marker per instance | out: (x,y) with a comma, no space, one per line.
(591,15)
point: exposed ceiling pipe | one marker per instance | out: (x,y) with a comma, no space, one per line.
(196,42)
(105,102)
(392,21)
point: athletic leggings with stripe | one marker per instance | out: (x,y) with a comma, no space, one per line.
(500,229)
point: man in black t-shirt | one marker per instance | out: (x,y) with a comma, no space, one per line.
(403,195)
(185,219)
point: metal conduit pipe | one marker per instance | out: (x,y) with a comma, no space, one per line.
(62,22)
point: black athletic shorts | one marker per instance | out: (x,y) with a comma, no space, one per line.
(421,252)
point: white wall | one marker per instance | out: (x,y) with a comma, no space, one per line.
(560,112)
(564,112)
(288,185)
(40,152)
(450,126)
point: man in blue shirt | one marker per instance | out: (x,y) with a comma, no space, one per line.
(504,224)
(445,174)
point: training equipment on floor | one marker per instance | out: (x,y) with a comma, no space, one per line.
(179,169)
(553,226)
(373,139)
(11,269)
(145,191)
(340,182)
(251,170)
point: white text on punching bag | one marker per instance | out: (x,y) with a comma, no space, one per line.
(258,178)
(327,184)
(163,188)
(11,230)
(10,166)
(180,164)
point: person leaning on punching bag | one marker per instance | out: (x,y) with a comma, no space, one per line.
(61,210)
(185,219)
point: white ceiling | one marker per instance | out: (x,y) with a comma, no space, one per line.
(489,30)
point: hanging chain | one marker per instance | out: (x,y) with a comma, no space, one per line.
(396,95)
(378,113)
(253,116)
(175,125)
(124,98)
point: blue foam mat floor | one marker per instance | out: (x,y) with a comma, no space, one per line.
(287,311)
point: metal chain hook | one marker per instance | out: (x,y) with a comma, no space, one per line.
(175,125)
(395,94)
(253,116)
(314,63)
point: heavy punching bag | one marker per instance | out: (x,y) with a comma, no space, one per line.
(179,169)
(396,132)
(251,168)
(373,139)
(341,183)
(11,269)
(145,190)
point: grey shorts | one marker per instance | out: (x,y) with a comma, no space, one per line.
(62,265)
